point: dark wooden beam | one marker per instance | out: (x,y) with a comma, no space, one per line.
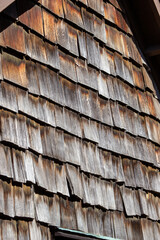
(4,4)
(157,4)
(153,51)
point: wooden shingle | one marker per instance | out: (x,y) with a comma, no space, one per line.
(14,70)
(88,21)
(9,229)
(82,45)
(75,181)
(56,8)
(50,26)
(72,13)
(68,214)
(6,162)
(97,6)
(31,16)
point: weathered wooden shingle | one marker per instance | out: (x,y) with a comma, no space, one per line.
(99,29)
(82,44)
(106,61)
(108,190)
(31,16)
(22,228)
(85,184)
(105,112)
(93,75)
(56,7)
(59,116)
(22,133)
(129,142)
(32,77)
(72,13)
(42,208)
(107,171)
(128,172)
(128,200)
(8,95)
(119,65)
(50,26)
(62,34)
(72,148)
(24,202)
(143,202)
(9,34)
(6,162)
(10,127)
(18,158)
(34,136)
(88,20)
(75,181)
(152,129)
(34,230)
(93,52)
(61,179)
(42,51)
(9,229)
(128,72)
(138,77)
(83,95)
(73,41)
(95,223)
(118,169)
(68,214)
(50,84)
(97,6)
(118,198)
(29,167)
(153,177)
(70,94)
(119,225)
(147,229)
(95,106)
(108,228)
(8,199)
(91,130)
(81,217)
(46,112)
(40,170)
(72,123)
(90,158)
(68,67)
(118,115)
(102,85)
(138,173)
(82,72)
(14,70)
(52,143)
(52,55)
(110,12)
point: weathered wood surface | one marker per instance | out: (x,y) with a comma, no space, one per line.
(79,123)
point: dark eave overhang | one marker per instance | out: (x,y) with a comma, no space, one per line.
(4,4)
(144,18)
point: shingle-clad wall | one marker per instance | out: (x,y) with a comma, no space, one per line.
(79,123)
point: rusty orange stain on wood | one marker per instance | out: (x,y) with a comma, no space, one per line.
(11,66)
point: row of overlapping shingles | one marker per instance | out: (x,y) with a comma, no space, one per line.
(26,202)
(45,119)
